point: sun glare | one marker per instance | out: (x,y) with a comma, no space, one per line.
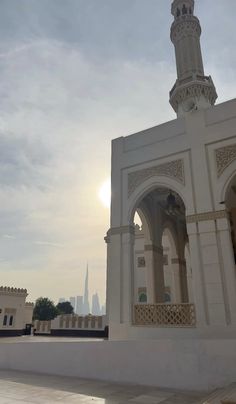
(105,193)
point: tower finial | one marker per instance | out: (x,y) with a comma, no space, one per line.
(192,90)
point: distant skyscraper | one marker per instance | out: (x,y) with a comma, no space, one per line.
(86,308)
(79,305)
(72,302)
(61,300)
(96,305)
(103,310)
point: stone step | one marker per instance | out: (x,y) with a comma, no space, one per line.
(222,396)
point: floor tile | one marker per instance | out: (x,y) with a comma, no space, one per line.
(31,388)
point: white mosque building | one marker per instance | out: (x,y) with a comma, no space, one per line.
(15,313)
(171,246)
(174,276)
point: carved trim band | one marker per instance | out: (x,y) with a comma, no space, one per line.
(173,169)
(121,230)
(202,217)
(155,248)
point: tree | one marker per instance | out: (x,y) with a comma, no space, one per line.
(64,308)
(44,309)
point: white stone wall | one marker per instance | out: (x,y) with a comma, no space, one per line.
(12,303)
(178,364)
(195,156)
(29,308)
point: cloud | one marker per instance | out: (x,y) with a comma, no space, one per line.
(48,244)
(55,151)
(74,75)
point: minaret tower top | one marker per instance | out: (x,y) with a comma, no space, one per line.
(192,90)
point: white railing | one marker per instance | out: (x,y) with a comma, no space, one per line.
(70,322)
(166,315)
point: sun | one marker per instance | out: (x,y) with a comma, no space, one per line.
(105,193)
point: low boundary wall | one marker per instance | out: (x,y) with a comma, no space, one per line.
(181,364)
(71,325)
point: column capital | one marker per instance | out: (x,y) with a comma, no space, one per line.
(129,229)
(153,247)
(107,239)
(178,261)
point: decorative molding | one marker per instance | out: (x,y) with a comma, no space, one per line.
(142,290)
(193,89)
(120,230)
(6,290)
(224,157)
(154,248)
(178,261)
(186,26)
(29,304)
(173,169)
(202,217)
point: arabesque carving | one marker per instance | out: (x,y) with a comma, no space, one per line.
(202,217)
(165,315)
(224,157)
(173,169)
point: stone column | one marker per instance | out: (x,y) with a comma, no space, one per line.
(156,283)
(212,267)
(213,251)
(108,243)
(182,263)
(183,280)
(228,274)
(198,281)
(176,289)
(149,260)
(120,279)
(127,275)
(114,276)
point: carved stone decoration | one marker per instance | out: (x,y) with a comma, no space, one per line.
(193,89)
(202,217)
(173,169)
(224,157)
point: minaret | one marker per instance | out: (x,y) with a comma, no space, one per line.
(192,90)
(86,308)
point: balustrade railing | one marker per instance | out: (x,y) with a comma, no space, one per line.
(70,322)
(166,315)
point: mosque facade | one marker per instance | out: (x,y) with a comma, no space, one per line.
(171,246)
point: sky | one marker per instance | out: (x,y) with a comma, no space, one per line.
(74,75)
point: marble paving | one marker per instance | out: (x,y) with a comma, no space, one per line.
(21,387)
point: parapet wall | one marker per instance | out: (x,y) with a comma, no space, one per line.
(72,325)
(6,290)
(178,364)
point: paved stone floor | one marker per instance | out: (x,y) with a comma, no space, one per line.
(22,387)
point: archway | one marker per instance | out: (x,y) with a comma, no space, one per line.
(230,203)
(160,225)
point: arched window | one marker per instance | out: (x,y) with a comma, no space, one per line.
(167,297)
(190,11)
(5,320)
(11,320)
(184,10)
(178,12)
(143,298)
